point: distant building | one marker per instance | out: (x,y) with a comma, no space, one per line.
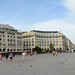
(10,39)
(43,39)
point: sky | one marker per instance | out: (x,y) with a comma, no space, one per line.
(45,15)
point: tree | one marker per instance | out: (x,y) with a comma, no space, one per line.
(37,49)
(51,47)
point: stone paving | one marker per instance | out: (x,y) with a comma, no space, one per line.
(41,64)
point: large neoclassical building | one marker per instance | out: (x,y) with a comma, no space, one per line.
(10,39)
(43,39)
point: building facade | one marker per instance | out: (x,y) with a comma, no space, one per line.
(10,39)
(43,39)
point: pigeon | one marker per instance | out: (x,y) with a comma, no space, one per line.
(20,65)
(31,65)
(66,59)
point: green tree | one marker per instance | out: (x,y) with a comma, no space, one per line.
(51,47)
(37,49)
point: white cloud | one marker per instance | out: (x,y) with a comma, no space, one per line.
(70,5)
(53,25)
(59,25)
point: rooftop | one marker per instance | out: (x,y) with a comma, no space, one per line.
(44,31)
(6,26)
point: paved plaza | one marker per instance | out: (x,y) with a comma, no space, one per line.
(41,64)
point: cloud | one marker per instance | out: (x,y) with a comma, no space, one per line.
(70,5)
(55,25)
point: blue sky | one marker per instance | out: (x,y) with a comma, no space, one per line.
(31,11)
(48,15)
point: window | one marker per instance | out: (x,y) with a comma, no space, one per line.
(56,39)
(8,50)
(0,49)
(3,44)
(14,44)
(8,39)
(0,39)
(11,49)
(59,39)
(3,36)
(11,44)
(8,35)
(19,37)
(32,38)
(44,39)
(56,34)
(47,39)
(8,44)
(14,49)
(57,42)
(14,40)
(53,34)
(32,41)
(11,40)
(13,36)
(24,45)
(53,39)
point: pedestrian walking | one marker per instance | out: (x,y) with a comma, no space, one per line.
(31,53)
(6,56)
(23,56)
(26,53)
(11,57)
(0,57)
(53,53)
(56,53)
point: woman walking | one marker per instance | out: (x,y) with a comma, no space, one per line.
(11,57)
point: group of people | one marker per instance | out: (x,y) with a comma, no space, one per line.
(55,53)
(10,54)
(24,54)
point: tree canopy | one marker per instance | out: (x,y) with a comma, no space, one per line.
(37,49)
(51,47)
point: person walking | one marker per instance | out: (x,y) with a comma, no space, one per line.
(53,53)
(56,53)
(26,53)
(23,56)
(0,57)
(11,57)
(6,56)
